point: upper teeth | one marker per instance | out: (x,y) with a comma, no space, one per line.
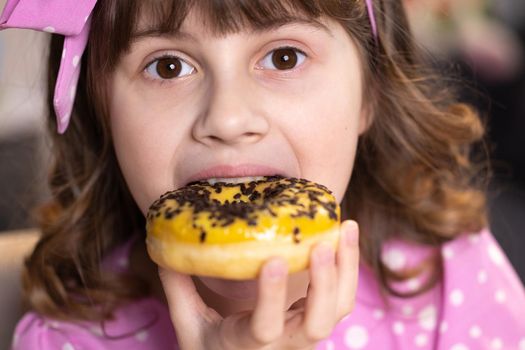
(234,180)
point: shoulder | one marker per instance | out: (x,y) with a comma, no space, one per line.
(36,332)
(143,324)
(476,261)
(483,298)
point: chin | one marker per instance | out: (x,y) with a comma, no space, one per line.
(231,289)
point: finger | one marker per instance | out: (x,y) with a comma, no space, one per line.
(321,300)
(266,322)
(184,304)
(347,267)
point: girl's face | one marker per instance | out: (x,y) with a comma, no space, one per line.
(287,100)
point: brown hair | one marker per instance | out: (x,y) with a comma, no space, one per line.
(417,130)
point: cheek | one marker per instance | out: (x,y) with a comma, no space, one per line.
(325,134)
(144,148)
(329,155)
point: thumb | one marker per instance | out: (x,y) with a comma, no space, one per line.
(185,305)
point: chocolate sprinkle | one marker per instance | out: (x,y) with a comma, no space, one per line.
(279,192)
(296,235)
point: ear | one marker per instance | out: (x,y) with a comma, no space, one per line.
(366,118)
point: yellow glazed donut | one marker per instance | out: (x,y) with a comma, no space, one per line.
(229,230)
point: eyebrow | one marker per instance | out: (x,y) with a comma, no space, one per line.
(267,27)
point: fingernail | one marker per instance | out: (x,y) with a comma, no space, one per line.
(325,254)
(351,233)
(275,270)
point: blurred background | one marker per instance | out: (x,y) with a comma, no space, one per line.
(481,42)
(22,146)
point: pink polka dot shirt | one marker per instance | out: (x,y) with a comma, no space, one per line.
(480,304)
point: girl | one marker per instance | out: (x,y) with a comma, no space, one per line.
(331,91)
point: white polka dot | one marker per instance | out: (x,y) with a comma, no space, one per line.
(407,310)
(394,259)
(495,254)
(421,340)
(330,345)
(378,314)
(85,19)
(398,327)
(64,53)
(142,336)
(459,346)
(49,29)
(443,327)
(64,118)
(500,296)
(123,262)
(96,330)
(427,318)
(456,297)
(413,284)
(473,238)
(474,332)
(496,344)
(522,344)
(356,337)
(16,337)
(72,92)
(68,346)
(76,59)
(448,253)
(482,276)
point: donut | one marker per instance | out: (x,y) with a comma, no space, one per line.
(228,230)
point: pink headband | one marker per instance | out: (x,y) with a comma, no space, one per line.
(373,24)
(71,19)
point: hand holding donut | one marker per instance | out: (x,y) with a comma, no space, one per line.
(262,229)
(331,294)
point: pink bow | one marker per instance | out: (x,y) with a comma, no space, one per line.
(66,17)
(71,19)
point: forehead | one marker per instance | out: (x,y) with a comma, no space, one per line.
(219,18)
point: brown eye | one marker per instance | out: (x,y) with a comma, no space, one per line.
(169,67)
(284,58)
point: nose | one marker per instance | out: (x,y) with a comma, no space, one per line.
(231,114)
